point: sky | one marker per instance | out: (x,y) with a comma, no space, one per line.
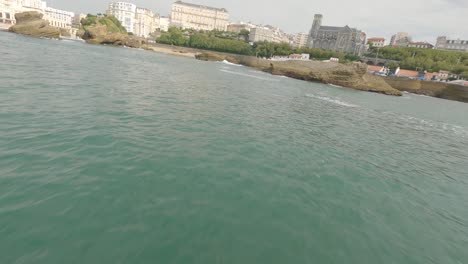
(423,19)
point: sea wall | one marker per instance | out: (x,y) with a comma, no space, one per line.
(434,89)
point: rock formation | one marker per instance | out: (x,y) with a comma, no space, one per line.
(104,31)
(352,75)
(32,24)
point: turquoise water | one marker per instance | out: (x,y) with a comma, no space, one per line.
(114,155)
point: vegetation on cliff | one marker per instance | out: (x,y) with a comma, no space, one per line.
(425,59)
(112,23)
(107,30)
(236,43)
(32,24)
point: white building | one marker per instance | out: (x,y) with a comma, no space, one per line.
(444,43)
(164,23)
(7,11)
(142,22)
(269,34)
(125,13)
(146,22)
(59,18)
(199,17)
(261,34)
(301,40)
(376,42)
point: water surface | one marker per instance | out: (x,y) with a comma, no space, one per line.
(114,155)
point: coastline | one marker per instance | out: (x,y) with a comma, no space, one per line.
(312,71)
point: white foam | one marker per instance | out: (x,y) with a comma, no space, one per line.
(230,63)
(248,75)
(331,100)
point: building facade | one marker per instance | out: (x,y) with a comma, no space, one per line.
(343,39)
(199,17)
(164,23)
(301,40)
(7,11)
(125,13)
(443,43)
(376,42)
(261,34)
(59,18)
(56,17)
(238,27)
(146,22)
(420,45)
(400,39)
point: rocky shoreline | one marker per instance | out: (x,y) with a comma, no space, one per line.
(352,75)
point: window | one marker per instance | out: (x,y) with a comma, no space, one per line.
(7,15)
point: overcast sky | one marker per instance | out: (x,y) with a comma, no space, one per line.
(423,19)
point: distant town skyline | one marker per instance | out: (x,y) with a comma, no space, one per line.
(424,21)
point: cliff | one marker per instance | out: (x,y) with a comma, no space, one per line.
(434,89)
(352,75)
(32,24)
(108,30)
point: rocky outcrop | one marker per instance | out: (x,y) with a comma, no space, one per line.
(435,89)
(32,24)
(352,75)
(99,34)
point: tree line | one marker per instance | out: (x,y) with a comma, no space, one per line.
(237,43)
(430,60)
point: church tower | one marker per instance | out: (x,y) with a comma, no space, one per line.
(315,28)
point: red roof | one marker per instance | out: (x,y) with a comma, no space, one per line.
(408,73)
(373,68)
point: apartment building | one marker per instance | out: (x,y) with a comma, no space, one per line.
(146,22)
(199,17)
(125,13)
(443,43)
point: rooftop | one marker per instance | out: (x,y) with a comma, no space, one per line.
(201,6)
(376,39)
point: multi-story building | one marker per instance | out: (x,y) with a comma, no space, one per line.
(59,18)
(56,17)
(420,45)
(376,42)
(301,40)
(164,23)
(261,34)
(141,22)
(125,13)
(400,39)
(449,44)
(199,17)
(7,11)
(146,22)
(343,39)
(237,28)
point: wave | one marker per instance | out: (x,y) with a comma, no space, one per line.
(331,100)
(230,63)
(248,75)
(420,123)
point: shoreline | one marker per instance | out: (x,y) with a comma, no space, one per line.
(312,71)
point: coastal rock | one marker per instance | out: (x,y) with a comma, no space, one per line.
(99,34)
(435,89)
(32,24)
(352,75)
